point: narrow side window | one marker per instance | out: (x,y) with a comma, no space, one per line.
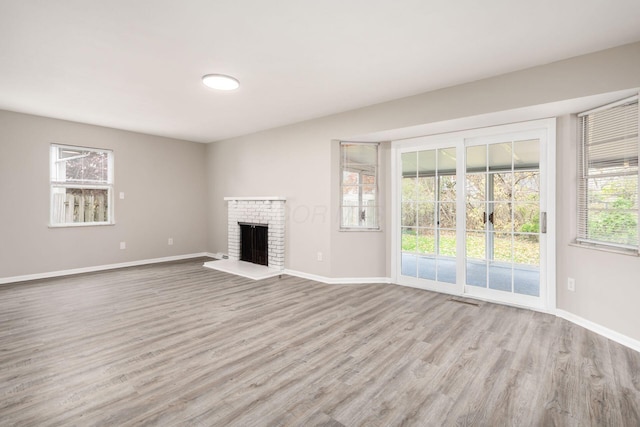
(359,186)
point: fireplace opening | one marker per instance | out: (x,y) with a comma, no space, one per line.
(254,243)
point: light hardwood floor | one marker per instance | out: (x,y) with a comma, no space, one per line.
(178,344)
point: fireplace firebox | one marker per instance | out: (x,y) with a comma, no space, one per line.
(254,243)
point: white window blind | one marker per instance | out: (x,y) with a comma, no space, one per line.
(608,176)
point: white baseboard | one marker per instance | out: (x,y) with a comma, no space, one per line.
(218,255)
(49,274)
(338,280)
(600,330)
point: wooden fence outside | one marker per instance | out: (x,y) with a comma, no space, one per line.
(80,206)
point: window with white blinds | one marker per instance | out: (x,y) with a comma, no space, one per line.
(608,176)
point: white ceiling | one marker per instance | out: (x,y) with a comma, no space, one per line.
(137,65)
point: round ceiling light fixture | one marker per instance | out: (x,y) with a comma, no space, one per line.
(220,82)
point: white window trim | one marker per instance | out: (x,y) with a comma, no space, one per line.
(65,184)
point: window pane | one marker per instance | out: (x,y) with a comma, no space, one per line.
(368,179)
(477,273)
(446,270)
(447,218)
(477,158)
(526,280)
(476,216)
(409,239)
(426,188)
(350,178)
(447,161)
(409,265)
(426,214)
(502,185)
(502,247)
(409,189)
(502,216)
(526,154)
(613,209)
(427,267)
(359,154)
(81,165)
(500,276)
(526,249)
(447,242)
(526,218)
(526,186)
(409,214)
(427,163)
(476,187)
(369,220)
(426,241)
(500,156)
(409,165)
(447,188)
(350,195)
(368,193)
(618,192)
(476,243)
(351,216)
(75,205)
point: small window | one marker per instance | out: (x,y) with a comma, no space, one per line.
(608,176)
(359,186)
(81,186)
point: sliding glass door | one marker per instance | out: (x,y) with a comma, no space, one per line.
(471,214)
(503,216)
(428,214)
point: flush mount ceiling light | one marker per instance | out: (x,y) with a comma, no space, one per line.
(220,82)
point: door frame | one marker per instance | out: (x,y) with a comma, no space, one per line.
(547,129)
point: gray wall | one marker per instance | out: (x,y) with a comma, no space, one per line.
(163,180)
(300,162)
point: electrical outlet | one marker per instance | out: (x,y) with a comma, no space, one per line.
(571,284)
(319,256)
(170,241)
(123,245)
(122,195)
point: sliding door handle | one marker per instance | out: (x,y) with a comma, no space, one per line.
(484,218)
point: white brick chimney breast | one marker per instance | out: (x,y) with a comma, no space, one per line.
(269,211)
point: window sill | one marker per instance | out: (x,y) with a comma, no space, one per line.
(81,224)
(603,248)
(360,229)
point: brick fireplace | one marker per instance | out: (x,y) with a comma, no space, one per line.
(264,211)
